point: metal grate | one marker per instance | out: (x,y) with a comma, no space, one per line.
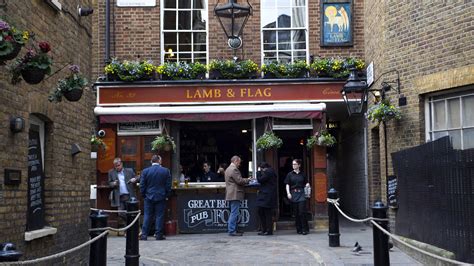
(436,196)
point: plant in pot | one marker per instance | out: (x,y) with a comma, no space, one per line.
(129,70)
(33,66)
(383,111)
(70,87)
(320,67)
(97,143)
(230,69)
(163,142)
(11,41)
(181,70)
(357,63)
(322,138)
(269,141)
(297,69)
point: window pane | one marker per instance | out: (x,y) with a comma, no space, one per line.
(298,2)
(269,17)
(284,40)
(199,4)
(468,138)
(185,57)
(438,135)
(298,17)
(129,146)
(455,138)
(284,18)
(201,57)
(299,55)
(284,57)
(283,2)
(269,57)
(184,41)
(269,37)
(184,4)
(147,145)
(299,39)
(170,41)
(199,21)
(468,111)
(439,115)
(454,114)
(170,3)
(184,20)
(267,3)
(169,20)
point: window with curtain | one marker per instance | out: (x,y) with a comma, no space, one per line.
(284,30)
(184,30)
(452,115)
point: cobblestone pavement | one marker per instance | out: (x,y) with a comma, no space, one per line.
(284,248)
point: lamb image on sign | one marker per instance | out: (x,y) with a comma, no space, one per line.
(210,213)
(336,23)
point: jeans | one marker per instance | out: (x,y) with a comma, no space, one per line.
(234,216)
(156,208)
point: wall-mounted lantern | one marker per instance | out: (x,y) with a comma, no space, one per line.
(232,17)
(17,124)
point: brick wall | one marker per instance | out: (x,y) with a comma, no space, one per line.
(135,32)
(67,178)
(420,39)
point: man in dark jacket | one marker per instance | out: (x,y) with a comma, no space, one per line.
(266,197)
(122,181)
(155,186)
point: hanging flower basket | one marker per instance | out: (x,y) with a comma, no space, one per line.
(163,142)
(73,95)
(269,141)
(32,75)
(97,143)
(383,111)
(324,139)
(16,50)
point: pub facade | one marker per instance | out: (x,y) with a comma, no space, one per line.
(213,119)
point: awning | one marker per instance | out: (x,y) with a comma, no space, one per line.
(210,112)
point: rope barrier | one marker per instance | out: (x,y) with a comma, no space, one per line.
(64,253)
(396,238)
(113,211)
(117,229)
(60,254)
(335,202)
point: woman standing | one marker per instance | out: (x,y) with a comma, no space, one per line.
(295,182)
(266,198)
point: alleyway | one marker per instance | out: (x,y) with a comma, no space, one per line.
(284,248)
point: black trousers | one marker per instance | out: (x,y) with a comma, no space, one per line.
(265,215)
(301,221)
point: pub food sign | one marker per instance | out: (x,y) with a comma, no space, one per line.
(210,213)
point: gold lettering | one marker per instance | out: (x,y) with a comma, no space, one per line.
(187,95)
(117,95)
(267,92)
(330,91)
(217,93)
(230,93)
(207,94)
(197,94)
(258,93)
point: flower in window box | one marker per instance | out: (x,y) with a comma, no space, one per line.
(181,70)
(383,111)
(129,70)
(297,69)
(320,67)
(230,69)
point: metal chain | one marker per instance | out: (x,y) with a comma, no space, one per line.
(335,202)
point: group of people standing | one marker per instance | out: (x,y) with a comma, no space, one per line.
(155,187)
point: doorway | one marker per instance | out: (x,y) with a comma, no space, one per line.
(294,147)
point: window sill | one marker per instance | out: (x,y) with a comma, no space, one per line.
(35,234)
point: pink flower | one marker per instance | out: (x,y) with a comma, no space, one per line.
(45,47)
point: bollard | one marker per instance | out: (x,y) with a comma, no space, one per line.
(381,257)
(132,254)
(333,220)
(8,252)
(98,253)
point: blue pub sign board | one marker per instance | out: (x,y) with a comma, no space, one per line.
(336,23)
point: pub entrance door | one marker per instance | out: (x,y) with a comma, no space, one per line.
(294,147)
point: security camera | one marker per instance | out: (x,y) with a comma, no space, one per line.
(101,133)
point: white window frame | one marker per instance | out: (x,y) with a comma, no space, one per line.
(290,29)
(429,113)
(162,30)
(34,120)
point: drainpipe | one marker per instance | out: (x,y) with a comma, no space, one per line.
(107,31)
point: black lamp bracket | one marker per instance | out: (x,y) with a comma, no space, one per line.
(386,84)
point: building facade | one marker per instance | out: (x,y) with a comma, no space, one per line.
(45,179)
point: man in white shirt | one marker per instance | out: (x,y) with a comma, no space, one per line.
(122,181)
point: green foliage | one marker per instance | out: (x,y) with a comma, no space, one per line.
(10,38)
(229,69)
(383,111)
(96,141)
(182,70)
(268,141)
(335,67)
(295,69)
(36,57)
(322,138)
(163,142)
(74,81)
(130,70)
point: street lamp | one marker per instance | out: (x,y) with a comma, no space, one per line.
(232,17)
(355,91)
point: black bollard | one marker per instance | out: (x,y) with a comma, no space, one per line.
(333,220)
(98,253)
(132,254)
(381,257)
(8,252)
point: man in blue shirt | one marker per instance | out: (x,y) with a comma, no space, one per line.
(155,186)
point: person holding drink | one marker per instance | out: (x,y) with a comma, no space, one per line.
(295,183)
(122,181)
